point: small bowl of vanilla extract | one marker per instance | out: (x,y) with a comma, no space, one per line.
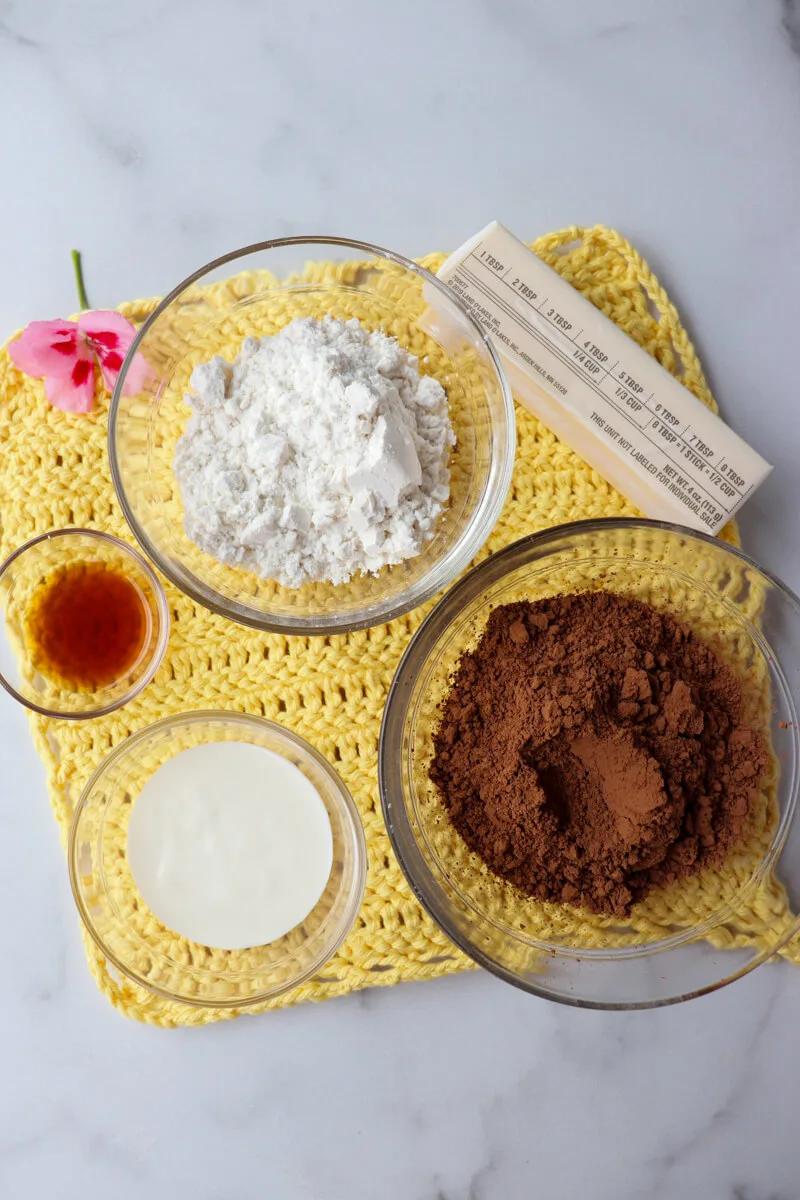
(85,624)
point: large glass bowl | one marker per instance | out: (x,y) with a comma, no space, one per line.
(698,934)
(255,292)
(135,942)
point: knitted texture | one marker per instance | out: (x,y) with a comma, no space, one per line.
(54,472)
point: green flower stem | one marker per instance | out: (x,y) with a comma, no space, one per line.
(83,299)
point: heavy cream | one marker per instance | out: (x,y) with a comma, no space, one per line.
(230,845)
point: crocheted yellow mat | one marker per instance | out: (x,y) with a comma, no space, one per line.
(54,472)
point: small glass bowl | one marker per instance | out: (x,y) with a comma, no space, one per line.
(135,942)
(27,570)
(700,933)
(255,292)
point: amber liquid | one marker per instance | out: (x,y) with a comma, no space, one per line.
(87,626)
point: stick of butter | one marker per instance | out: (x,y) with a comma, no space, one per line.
(604,396)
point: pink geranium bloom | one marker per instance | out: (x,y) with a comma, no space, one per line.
(63,353)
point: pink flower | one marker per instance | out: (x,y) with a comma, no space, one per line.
(63,353)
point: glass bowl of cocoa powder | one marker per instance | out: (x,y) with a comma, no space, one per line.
(589,764)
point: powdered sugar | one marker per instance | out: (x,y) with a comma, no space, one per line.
(319,453)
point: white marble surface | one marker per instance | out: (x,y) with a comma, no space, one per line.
(154,136)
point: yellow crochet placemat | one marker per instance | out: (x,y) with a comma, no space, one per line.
(54,472)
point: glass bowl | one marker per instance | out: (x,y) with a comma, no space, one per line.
(28,570)
(255,292)
(700,933)
(135,941)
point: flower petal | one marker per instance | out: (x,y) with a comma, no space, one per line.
(138,375)
(110,334)
(75,393)
(107,330)
(110,363)
(46,348)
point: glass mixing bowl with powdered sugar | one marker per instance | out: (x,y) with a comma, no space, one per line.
(256,292)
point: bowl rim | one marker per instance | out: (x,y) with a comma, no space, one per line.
(299,743)
(433,626)
(411,597)
(162,640)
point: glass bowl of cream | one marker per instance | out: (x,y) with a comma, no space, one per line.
(221,315)
(217,860)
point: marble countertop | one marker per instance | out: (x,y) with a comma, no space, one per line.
(156,135)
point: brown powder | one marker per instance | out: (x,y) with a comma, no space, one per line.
(592,749)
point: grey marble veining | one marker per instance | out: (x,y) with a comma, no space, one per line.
(790,21)
(158,135)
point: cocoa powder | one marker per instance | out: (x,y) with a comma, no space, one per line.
(592,749)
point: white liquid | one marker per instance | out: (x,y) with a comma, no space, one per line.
(230,845)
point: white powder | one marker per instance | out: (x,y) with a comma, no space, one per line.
(319,453)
